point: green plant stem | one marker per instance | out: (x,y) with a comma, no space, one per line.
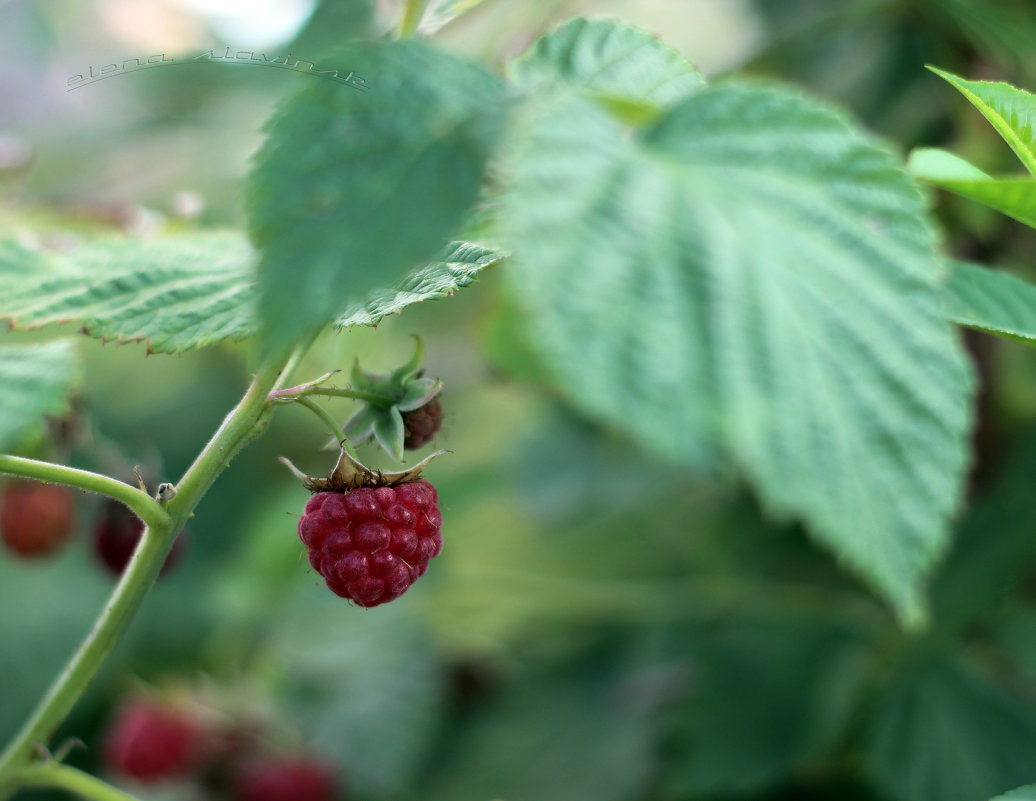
(54,774)
(412,13)
(147,508)
(295,393)
(240,426)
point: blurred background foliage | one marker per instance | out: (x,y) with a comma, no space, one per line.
(600,625)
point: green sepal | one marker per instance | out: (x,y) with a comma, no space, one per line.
(360,426)
(390,432)
(364,381)
(402,375)
(417,393)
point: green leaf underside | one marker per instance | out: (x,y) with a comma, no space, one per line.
(187,291)
(944,733)
(36,380)
(351,188)
(608,60)
(990,301)
(174,293)
(458,266)
(1010,110)
(754,275)
(1015,197)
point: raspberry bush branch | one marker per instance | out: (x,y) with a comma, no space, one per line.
(54,774)
(143,505)
(248,419)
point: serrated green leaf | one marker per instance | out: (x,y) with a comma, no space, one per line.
(390,432)
(1010,110)
(1015,197)
(619,64)
(442,12)
(944,733)
(753,275)
(990,301)
(36,380)
(175,293)
(458,266)
(353,187)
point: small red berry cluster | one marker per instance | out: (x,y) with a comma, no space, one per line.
(151,742)
(371,544)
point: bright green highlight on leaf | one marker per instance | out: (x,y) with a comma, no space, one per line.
(351,188)
(174,293)
(1010,110)
(990,301)
(457,266)
(624,67)
(36,380)
(753,276)
(1015,197)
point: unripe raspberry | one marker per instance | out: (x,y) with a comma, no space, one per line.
(371,544)
(422,424)
(35,519)
(116,535)
(151,741)
(288,778)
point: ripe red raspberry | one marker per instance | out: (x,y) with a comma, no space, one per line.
(117,533)
(151,741)
(35,519)
(288,778)
(422,424)
(369,544)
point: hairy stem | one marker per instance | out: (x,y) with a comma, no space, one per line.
(147,508)
(240,426)
(54,774)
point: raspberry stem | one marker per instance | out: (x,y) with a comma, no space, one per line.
(54,774)
(146,508)
(248,419)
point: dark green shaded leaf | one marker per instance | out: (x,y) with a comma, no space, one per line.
(990,301)
(366,688)
(354,186)
(767,698)
(944,733)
